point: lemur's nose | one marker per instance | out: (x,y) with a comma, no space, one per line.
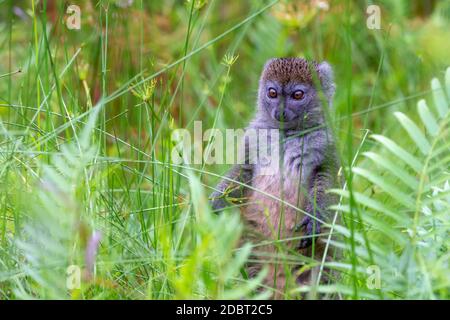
(280,115)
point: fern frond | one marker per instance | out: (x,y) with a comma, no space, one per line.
(408,204)
(49,241)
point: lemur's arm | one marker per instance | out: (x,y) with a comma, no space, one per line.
(318,200)
(228,191)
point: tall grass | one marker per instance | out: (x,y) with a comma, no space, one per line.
(86,122)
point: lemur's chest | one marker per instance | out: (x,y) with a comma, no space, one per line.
(280,185)
(285,166)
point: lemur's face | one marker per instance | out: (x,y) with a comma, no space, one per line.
(287,93)
(287,103)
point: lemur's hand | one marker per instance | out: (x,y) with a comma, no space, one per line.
(311,227)
(218,201)
(231,190)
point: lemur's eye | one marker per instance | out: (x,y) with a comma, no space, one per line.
(298,95)
(272,93)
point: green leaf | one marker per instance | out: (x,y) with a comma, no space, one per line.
(398,151)
(427,118)
(393,168)
(377,224)
(374,205)
(414,132)
(440,101)
(247,287)
(447,81)
(398,195)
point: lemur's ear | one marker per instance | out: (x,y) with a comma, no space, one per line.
(325,73)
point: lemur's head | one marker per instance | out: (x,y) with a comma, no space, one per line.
(288,95)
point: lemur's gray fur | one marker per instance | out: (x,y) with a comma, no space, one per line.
(308,166)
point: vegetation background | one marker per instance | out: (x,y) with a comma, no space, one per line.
(87,187)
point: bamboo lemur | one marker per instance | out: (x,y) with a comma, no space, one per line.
(288,100)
